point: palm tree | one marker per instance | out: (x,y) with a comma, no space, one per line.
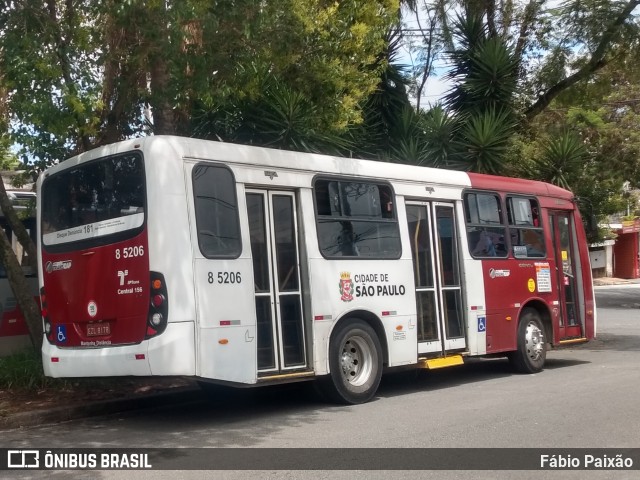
(480,102)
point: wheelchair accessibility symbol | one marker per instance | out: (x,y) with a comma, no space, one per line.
(61,333)
(482,324)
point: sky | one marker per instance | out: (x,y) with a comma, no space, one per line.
(436,87)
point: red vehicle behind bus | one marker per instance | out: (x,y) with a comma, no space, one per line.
(14,334)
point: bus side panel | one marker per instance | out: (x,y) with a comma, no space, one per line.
(473,291)
(505,284)
(173,352)
(168,227)
(227,343)
(383,289)
(226,318)
(511,284)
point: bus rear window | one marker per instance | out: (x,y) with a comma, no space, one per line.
(94,200)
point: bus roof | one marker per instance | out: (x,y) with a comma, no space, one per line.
(518,185)
(316,163)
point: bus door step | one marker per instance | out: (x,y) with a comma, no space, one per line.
(441,362)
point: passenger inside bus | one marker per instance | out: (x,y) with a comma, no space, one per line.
(535,214)
(485,246)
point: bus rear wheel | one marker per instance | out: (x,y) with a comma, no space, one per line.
(532,352)
(355,362)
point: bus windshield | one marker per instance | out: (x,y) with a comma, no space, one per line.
(94,200)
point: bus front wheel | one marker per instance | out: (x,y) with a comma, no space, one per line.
(355,362)
(532,352)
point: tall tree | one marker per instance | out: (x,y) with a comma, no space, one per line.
(82,73)
(584,28)
(556,46)
(480,104)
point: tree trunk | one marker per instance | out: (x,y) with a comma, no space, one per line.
(163,116)
(164,122)
(17,226)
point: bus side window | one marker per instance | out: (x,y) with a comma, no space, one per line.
(527,235)
(216,209)
(356,219)
(485,231)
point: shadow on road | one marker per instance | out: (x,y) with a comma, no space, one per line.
(249,417)
(555,363)
(612,341)
(474,370)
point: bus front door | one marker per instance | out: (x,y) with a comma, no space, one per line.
(276,269)
(565,251)
(432,230)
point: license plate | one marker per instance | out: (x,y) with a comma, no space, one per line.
(98,329)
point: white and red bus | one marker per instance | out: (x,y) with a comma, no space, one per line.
(244,265)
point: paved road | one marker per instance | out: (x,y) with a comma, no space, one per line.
(588,396)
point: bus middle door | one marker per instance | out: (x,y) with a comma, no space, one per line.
(434,248)
(273,230)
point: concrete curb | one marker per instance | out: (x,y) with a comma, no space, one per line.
(104,407)
(617,284)
(607,282)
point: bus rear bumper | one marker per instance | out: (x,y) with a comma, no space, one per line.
(171,353)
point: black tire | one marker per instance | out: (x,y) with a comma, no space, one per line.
(532,349)
(355,362)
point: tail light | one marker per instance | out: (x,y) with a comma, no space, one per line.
(46,321)
(158,306)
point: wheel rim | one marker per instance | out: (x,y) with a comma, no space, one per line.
(534,340)
(356,361)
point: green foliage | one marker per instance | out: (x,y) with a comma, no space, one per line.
(509,61)
(485,140)
(385,111)
(476,130)
(23,371)
(277,117)
(562,160)
(440,129)
(86,73)
(409,139)
(591,152)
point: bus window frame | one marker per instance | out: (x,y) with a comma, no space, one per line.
(237,216)
(517,228)
(365,180)
(100,241)
(503,223)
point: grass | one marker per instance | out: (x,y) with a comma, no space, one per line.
(24,387)
(23,371)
